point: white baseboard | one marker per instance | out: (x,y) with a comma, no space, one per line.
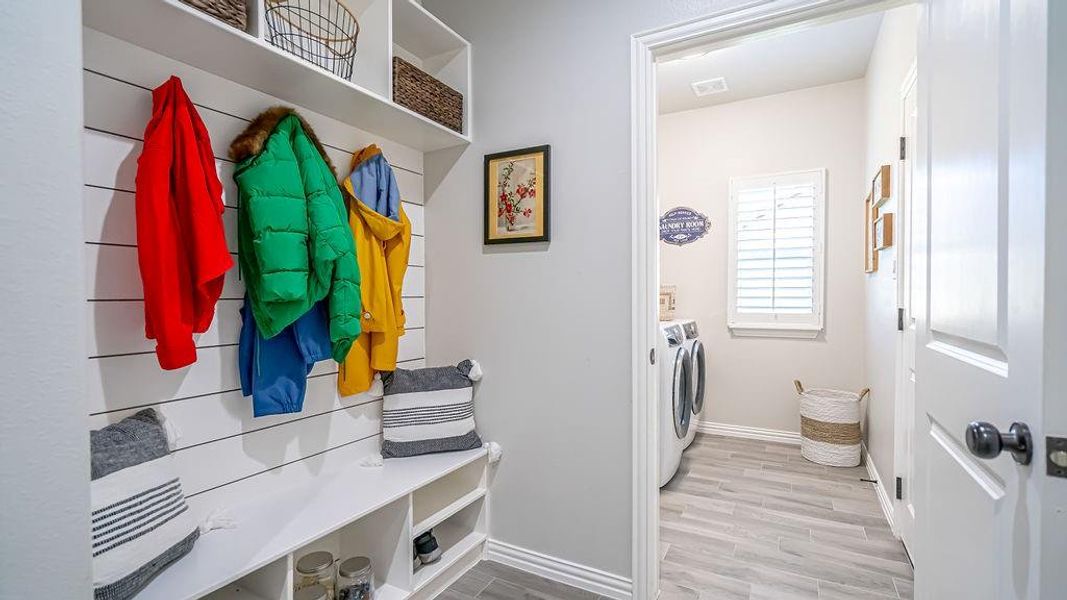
(563,571)
(751,433)
(879,488)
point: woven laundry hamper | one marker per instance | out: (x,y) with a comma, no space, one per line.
(830,425)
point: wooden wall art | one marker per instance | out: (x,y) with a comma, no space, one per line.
(883,231)
(880,186)
(870,256)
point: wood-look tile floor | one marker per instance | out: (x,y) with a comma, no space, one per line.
(754,520)
(493,581)
(748,520)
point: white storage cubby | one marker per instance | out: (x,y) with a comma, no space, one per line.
(445,497)
(372,66)
(271,582)
(424,41)
(179,31)
(458,536)
(454,507)
(382,536)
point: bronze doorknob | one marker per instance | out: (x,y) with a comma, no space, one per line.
(984,440)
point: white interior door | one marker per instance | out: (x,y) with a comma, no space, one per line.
(979,309)
(904,451)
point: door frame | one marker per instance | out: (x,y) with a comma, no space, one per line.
(903,523)
(724,28)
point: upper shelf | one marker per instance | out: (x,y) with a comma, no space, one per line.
(178,31)
(421,33)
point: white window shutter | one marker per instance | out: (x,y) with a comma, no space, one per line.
(776,253)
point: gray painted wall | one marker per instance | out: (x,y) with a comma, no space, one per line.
(550,323)
(44,460)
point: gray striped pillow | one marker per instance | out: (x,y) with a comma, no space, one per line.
(429,410)
(140,521)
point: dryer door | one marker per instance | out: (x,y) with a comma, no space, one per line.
(682,392)
(699,375)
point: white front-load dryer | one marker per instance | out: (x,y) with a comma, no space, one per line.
(698,388)
(675,399)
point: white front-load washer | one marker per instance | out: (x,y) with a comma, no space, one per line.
(698,387)
(675,399)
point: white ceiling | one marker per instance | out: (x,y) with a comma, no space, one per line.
(819,55)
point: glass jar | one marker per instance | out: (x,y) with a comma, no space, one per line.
(355,579)
(316,568)
(311,592)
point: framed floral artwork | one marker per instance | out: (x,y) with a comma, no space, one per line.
(517,196)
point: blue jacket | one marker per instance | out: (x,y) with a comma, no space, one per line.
(274,371)
(374,184)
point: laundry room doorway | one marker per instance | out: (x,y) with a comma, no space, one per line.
(776,216)
(763,157)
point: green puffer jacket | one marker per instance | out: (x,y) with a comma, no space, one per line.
(295,247)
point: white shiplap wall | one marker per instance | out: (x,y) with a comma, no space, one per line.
(223,454)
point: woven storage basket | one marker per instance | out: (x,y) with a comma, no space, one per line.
(422,93)
(830,426)
(233,12)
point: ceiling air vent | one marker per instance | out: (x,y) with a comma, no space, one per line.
(709,86)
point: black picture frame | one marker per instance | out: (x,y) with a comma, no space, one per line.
(489,215)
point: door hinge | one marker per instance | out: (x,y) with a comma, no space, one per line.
(900,488)
(652,356)
(903,147)
(900,319)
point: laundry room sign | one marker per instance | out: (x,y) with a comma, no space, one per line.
(683,225)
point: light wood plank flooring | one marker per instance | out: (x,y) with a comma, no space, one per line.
(493,581)
(745,519)
(751,521)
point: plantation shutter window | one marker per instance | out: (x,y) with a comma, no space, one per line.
(776,254)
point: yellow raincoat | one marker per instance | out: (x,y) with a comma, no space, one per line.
(382,248)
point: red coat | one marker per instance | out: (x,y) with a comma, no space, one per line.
(181,245)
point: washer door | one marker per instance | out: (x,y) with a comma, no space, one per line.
(682,392)
(699,375)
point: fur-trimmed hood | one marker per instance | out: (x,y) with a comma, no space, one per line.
(251,141)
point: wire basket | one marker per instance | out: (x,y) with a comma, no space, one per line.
(322,32)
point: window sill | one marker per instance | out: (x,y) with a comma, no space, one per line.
(777,330)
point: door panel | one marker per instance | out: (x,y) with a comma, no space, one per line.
(978,251)
(965,248)
(958,487)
